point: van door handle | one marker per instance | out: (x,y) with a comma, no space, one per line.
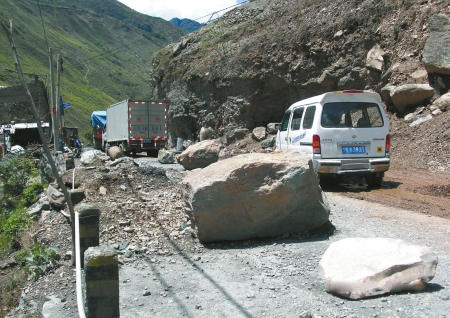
(285,138)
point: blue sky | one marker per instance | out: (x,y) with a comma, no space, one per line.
(189,9)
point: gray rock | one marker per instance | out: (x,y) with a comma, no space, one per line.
(200,155)
(410,95)
(363,267)
(38,207)
(386,94)
(233,135)
(187,143)
(90,156)
(271,130)
(375,60)
(421,119)
(166,157)
(268,143)
(436,52)
(346,82)
(53,308)
(259,133)
(443,102)
(55,197)
(207,133)
(257,195)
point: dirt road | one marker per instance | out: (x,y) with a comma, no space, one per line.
(417,190)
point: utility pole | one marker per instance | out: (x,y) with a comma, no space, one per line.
(55,124)
(41,131)
(57,97)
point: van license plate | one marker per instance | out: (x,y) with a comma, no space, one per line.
(146,141)
(353,149)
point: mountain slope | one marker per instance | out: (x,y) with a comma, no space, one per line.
(186,24)
(106,49)
(246,68)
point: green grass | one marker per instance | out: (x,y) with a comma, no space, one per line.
(86,31)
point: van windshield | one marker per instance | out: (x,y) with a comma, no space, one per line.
(351,114)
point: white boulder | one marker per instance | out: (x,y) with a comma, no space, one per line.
(362,267)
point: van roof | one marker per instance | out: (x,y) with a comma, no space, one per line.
(347,95)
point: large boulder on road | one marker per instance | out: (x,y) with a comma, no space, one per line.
(362,267)
(200,155)
(254,195)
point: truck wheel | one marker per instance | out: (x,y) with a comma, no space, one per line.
(125,153)
(374,179)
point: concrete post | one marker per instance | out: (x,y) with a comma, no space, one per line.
(89,214)
(101,272)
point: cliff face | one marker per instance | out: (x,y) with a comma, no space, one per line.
(245,69)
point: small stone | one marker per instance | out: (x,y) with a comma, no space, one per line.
(146,293)
(445,297)
(129,229)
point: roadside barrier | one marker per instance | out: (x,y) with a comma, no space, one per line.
(101,273)
(89,236)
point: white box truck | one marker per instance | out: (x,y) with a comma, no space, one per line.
(136,126)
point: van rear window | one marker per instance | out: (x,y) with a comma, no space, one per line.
(351,114)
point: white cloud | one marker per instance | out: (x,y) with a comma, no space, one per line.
(183,9)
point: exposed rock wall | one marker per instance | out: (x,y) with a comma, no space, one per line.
(245,69)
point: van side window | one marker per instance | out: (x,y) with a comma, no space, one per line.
(285,121)
(297,118)
(309,117)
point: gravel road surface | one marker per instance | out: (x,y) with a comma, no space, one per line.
(279,277)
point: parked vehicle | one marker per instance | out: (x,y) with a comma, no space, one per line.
(345,132)
(136,126)
(98,121)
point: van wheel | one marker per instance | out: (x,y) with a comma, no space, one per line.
(374,179)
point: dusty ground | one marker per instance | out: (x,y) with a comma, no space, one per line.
(277,277)
(143,219)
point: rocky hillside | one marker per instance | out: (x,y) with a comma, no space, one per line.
(245,69)
(106,48)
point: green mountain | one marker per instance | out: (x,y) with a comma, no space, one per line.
(106,48)
(186,24)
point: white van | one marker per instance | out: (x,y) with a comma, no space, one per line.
(345,132)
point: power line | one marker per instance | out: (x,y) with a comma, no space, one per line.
(43,26)
(112,50)
(210,14)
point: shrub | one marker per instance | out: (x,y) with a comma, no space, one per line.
(14,175)
(41,258)
(31,193)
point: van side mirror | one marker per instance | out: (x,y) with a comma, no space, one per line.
(277,126)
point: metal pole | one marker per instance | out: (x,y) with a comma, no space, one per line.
(52,102)
(58,87)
